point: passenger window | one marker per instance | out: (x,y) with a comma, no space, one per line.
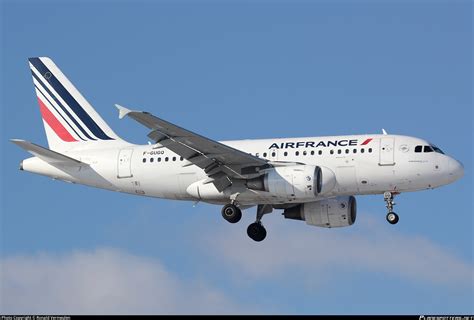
(428,149)
(174,158)
(354,151)
(166,159)
(297,153)
(418,149)
(264,154)
(151,159)
(370,150)
(285,153)
(181,158)
(362,150)
(312,152)
(273,154)
(320,152)
(159,159)
(305,153)
(144,160)
(347,150)
(331,152)
(339,151)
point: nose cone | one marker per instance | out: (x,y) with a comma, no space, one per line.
(456,169)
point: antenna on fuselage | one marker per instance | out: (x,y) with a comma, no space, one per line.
(384,132)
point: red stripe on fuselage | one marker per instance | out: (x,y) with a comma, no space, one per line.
(54,123)
(366,142)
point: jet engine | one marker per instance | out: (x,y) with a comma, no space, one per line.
(328,213)
(295,182)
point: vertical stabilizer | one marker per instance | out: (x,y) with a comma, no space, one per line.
(69,119)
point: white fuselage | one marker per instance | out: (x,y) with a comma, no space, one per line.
(362,164)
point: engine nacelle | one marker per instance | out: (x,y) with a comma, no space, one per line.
(295,182)
(329,213)
(328,181)
(291,182)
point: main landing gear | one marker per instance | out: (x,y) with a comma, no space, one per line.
(256,231)
(391,217)
(231,213)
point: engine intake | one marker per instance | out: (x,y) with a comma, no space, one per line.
(329,213)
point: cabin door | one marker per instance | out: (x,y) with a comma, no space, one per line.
(387,152)
(125,163)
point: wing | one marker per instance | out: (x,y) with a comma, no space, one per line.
(220,162)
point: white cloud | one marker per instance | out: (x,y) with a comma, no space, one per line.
(312,253)
(112,281)
(102,281)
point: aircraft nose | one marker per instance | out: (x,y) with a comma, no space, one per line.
(456,169)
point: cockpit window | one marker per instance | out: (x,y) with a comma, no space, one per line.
(430,148)
(436,149)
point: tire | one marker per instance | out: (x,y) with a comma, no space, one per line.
(256,231)
(392,218)
(231,213)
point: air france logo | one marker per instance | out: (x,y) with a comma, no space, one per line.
(313,144)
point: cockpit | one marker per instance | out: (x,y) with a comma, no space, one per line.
(428,148)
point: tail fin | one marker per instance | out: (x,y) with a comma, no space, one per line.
(69,120)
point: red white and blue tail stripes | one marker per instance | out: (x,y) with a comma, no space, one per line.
(63,108)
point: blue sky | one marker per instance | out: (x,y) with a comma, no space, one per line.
(235,70)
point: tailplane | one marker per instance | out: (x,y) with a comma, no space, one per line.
(69,119)
(49,156)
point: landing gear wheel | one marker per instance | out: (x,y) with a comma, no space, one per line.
(392,218)
(231,213)
(256,231)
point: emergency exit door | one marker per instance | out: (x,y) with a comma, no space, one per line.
(125,163)
(387,152)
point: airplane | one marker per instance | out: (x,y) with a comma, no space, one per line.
(313,179)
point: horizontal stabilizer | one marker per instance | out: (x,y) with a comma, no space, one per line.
(49,156)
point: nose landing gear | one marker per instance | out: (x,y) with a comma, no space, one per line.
(391,217)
